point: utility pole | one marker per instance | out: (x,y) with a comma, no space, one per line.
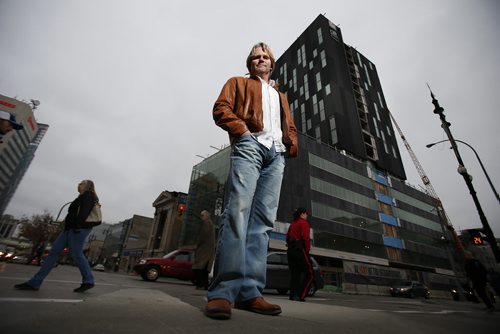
(467,178)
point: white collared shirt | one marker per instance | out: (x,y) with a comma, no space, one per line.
(271,133)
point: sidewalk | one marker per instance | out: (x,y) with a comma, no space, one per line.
(149,311)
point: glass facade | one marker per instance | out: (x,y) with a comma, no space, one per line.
(355,209)
(206,192)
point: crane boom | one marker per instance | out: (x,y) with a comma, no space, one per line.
(443,216)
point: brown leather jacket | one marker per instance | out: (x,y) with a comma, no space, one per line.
(239,108)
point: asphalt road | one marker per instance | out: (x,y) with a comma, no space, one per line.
(125,304)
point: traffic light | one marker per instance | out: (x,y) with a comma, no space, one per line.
(180,209)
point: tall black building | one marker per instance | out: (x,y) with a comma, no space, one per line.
(370,228)
(336,97)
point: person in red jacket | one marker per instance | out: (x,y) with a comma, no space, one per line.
(299,244)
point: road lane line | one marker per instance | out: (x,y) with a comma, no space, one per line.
(41,300)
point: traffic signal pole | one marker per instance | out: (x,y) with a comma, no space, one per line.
(467,178)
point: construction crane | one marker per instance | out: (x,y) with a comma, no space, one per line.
(442,215)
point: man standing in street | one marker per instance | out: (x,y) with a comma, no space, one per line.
(205,251)
(477,273)
(261,130)
(299,245)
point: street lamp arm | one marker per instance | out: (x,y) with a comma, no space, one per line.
(478,159)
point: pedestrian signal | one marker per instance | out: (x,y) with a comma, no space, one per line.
(476,238)
(180,209)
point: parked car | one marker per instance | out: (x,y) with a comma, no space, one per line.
(176,264)
(22,259)
(410,289)
(6,255)
(278,274)
(470,295)
(99,267)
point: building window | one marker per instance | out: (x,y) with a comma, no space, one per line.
(320,36)
(388,131)
(359,59)
(309,124)
(321,110)
(304,61)
(381,189)
(285,79)
(376,111)
(301,90)
(311,65)
(394,254)
(306,86)
(385,144)
(380,100)
(333,130)
(367,75)
(294,75)
(394,152)
(299,57)
(385,208)
(327,89)
(317,131)
(315,104)
(303,117)
(335,169)
(376,127)
(323,58)
(390,231)
(315,53)
(318,82)
(334,34)
(345,194)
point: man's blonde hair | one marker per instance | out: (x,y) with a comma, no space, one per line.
(266,49)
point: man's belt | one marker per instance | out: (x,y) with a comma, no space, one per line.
(295,244)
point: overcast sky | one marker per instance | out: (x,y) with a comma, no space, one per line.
(127,88)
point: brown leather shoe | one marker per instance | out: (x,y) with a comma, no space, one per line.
(259,305)
(218,309)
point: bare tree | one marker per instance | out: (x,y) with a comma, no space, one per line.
(40,229)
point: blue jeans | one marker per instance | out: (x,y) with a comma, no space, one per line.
(252,195)
(74,239)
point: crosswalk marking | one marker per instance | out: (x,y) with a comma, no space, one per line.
(41,300)
(420,312)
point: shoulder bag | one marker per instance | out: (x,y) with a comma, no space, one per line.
(95,216)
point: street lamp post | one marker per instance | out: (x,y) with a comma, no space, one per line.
(478,159)
(467,178)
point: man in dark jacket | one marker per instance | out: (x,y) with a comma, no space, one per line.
(299,245)
(205,251)
(477,273)
(260,126)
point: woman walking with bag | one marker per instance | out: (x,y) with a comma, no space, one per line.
(76,229)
